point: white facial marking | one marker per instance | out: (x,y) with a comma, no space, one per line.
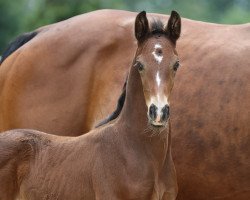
(158,58)
(158,80)
(158,46)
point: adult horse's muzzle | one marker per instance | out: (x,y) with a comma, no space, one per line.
(158,116)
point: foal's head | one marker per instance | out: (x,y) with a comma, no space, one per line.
(157,62)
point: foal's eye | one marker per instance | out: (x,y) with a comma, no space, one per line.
(176,65)
(139,66)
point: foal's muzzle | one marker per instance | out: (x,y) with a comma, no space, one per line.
(158,116)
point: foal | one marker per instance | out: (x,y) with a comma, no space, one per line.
(129,158)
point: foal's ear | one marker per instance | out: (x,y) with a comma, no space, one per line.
(173,29)
(141,26)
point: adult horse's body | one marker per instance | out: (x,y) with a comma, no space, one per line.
(127,159)
(68,77)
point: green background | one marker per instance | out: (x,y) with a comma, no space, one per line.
(18,16)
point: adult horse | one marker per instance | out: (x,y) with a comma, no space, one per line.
(70,74)
(128,159)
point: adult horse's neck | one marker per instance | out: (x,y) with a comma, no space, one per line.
(134,122)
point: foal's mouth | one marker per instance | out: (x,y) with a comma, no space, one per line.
(158,116)
(156,129)
(158,125)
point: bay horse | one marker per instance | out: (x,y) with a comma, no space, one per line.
(129,158)
(64,78)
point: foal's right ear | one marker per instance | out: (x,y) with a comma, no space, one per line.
(141,26)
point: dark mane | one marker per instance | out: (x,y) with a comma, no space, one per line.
(118,109)
(16,44)
(157,27)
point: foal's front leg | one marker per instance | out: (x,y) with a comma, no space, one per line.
(169,196)
(170,180)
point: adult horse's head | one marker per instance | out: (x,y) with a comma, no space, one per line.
(157,61)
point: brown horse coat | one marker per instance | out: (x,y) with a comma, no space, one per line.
(118,161)
(69,76)
(105,164)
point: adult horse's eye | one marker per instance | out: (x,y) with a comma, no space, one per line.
(139,66)
(176,65)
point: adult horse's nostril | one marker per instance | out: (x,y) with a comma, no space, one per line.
(152,111)
(165,113)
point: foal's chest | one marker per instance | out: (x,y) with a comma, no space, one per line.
(144,189)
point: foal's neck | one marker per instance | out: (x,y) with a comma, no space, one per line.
(134,112)
(133,119)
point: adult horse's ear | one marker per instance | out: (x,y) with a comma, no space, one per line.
(141,26)
(173,29)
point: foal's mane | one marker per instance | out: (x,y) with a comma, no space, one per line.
(118,109)
(157,28)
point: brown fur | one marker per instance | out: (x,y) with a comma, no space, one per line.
(70,75)
(122,160)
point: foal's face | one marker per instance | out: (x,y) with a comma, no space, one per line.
(157,62)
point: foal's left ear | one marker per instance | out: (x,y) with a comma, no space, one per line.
(141,26)
(173,29)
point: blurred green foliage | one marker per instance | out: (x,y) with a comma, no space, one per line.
(18,16)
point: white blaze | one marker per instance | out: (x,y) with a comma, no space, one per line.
(158,80)
(159,100)
(158,58)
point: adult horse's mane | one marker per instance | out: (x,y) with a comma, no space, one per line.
(157,27)
(17,43)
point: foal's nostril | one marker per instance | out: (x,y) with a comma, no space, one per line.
(152,111)
(165,113)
